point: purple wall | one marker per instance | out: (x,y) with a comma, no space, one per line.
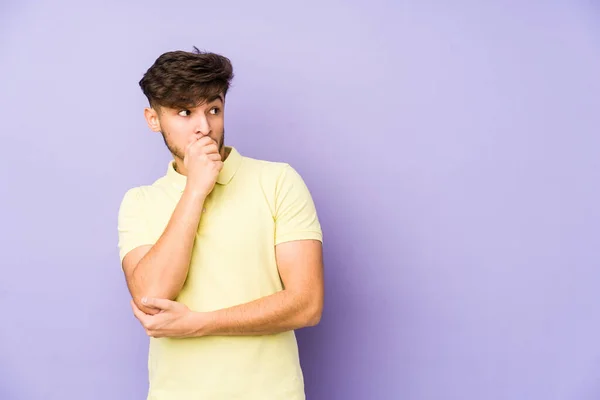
(453,153)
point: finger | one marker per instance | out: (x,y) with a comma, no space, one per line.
(214,157)
(134,306)
(209,144)
(187,148)
(161,304)
(204,145)
(205,140)
(139,314)
(210,148)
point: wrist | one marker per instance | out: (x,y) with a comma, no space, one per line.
(195,194)
(203,323)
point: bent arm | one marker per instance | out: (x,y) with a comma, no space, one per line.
(160,270)
(298,305)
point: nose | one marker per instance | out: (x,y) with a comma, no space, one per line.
(202,127)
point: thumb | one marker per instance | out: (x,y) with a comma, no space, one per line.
(161,304)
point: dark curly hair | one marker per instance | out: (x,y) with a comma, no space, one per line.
(181,79)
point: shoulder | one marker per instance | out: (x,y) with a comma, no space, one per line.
(280,182)
(272,173)
(138,196)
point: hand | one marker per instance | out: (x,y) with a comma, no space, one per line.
(173,320)
(203,164)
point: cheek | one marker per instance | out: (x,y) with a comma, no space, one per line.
(217,123)
(177,128)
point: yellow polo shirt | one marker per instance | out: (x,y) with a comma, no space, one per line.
(254,206)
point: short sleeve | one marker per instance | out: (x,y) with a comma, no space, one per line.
(295,213)
(132,224)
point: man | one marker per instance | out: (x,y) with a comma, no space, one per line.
(223,254)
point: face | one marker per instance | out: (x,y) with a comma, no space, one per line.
(180,127)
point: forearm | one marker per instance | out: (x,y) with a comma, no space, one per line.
(279,312)
(163,270)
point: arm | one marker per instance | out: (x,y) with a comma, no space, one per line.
(299,305)
(298,252)
(160,270)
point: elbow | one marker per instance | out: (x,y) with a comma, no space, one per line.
(313,321)
(143,308)
(160,292)
(151,291)
(154,294)
(313,314)
(154,288)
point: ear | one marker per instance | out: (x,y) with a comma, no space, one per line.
(152,120)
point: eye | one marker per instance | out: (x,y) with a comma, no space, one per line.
(215,110)
(185,113)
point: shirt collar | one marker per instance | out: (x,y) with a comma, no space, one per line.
(230,166)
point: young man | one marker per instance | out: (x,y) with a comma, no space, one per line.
(223,254)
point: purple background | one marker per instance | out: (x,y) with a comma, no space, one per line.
(453,153)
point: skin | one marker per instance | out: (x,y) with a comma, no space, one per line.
(155,274)
(180,127)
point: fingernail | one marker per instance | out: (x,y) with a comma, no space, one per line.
(144,300)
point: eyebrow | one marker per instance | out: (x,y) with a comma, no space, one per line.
(208,101)
(215,97)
